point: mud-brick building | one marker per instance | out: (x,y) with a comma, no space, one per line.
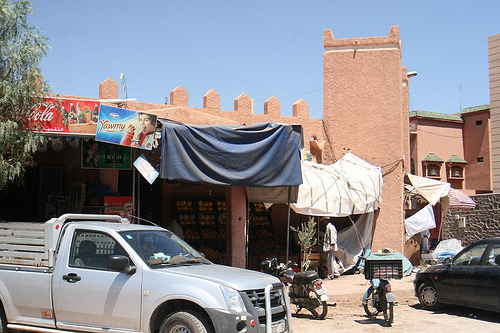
(365,112)
(365,100)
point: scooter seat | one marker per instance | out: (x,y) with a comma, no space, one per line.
(305,277)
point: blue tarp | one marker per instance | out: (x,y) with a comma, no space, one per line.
(264,155)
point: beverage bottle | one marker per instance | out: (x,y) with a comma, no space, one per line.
(95,114)
(73,118)
(64,113)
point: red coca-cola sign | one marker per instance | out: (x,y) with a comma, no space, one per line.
(55,115)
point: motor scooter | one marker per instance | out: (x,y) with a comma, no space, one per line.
(305,289)
(379,297)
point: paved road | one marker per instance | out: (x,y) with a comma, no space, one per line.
(348,314)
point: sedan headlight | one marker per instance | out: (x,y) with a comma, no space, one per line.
(233,299)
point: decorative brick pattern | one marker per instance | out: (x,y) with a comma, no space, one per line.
(480,223)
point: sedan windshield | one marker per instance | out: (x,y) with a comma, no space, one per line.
(162,248)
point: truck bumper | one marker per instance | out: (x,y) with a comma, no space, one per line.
(225,322)
(262,316)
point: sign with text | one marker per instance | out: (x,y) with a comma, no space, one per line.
(55,115)
(146,169)
(126,127)
(100,155)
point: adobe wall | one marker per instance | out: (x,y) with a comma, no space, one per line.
(480,223)
(477,145)
(366,112)
(243,113)
(494,73)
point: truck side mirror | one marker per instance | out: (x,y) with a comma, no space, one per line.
(120,263)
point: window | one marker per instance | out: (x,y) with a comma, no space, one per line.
(494,256)
(412,166)
(471,257)
(457,171)
(433,170)
(479,122)
(91,249)
(480,159)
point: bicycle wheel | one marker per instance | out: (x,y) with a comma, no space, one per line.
(389,313)
(370,302)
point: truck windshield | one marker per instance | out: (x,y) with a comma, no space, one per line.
(162,248)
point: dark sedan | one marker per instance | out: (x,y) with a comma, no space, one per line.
(471,278)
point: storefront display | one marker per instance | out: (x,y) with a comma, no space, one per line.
(204,224)
(261,240)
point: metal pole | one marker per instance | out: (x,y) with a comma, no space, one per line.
(288,226)
(134,211)
(138,195)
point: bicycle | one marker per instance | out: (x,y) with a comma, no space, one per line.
(379,296)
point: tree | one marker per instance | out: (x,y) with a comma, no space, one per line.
(306,234)
(22,88)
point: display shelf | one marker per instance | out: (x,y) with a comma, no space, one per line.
(185,205)
(204,223)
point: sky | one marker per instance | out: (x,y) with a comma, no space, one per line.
(262,48)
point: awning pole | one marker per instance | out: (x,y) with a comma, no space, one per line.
(288,226)
(134,211)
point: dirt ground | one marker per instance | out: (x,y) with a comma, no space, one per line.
(348,314)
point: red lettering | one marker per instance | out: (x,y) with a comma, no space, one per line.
(110,127)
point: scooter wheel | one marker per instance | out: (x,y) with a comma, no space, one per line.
(321,311)
(370,304)
(389,313)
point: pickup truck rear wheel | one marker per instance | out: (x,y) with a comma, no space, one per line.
(183,322)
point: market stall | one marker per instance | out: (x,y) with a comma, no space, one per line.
(262,158)
(350,188)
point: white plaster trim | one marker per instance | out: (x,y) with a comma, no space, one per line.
(362,47)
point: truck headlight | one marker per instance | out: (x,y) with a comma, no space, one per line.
(233,299)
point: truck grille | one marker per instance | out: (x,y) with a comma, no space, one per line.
(258,300)
(255,301)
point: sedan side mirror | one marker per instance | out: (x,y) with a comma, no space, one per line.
(121,264)
(447,261)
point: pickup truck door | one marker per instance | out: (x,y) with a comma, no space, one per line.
(88,296)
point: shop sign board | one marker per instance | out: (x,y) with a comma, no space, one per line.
(126,127)
(118,205)
(146,169)
(100,155)
(58,115)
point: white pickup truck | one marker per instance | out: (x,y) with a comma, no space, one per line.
(99,273)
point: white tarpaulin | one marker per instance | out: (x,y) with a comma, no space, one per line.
(420,221)
(349,186)
(432,190)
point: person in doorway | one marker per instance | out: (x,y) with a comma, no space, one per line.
(425,240)
(330,247)
(175,227)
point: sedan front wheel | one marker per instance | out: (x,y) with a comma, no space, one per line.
(428,296)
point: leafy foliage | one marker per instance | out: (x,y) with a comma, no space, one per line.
(21,88)
(306,234)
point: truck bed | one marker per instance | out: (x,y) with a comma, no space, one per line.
(23,243)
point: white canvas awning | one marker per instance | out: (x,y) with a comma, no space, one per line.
(349,186)
(432,190)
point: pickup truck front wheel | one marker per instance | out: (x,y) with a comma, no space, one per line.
(183,322)
(3,321)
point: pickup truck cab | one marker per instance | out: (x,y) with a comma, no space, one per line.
(122,277)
